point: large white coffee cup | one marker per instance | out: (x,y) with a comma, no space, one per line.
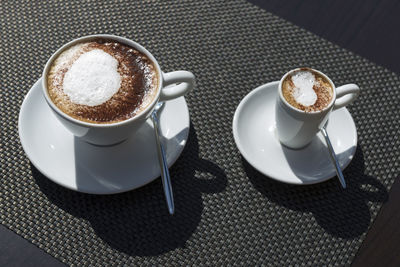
(296,128)
(171,85)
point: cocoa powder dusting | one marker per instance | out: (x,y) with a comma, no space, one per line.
(138,80)
(322,88)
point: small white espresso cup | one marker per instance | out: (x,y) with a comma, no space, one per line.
(296,128)
(171,85)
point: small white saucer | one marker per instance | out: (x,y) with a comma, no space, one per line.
(255,136)
(82,167)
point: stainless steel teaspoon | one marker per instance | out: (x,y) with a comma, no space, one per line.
(166,181)
(333,157)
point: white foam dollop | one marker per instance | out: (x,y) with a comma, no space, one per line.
(92,79)
(303,91)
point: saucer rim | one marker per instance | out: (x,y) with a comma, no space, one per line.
(67,185)
(265,172)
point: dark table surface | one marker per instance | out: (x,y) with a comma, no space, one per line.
(365,27)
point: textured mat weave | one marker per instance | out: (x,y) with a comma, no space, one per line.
(226,212)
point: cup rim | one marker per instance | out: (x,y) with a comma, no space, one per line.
(120,39)
(328,107)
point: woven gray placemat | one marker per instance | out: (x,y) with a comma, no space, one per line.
(226,212)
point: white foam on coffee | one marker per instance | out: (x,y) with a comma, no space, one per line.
(92,79)
(303,91)
(64,58)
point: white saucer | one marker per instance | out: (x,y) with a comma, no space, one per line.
(82,167)
(255,136)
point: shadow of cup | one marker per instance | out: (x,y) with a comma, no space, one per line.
(137,222)
(341,213)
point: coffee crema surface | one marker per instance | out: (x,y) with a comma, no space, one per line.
(307,90)
(102,81)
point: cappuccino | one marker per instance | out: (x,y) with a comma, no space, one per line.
(307,90)
(102,81)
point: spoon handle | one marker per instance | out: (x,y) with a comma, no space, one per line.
(166,181)
(334,158)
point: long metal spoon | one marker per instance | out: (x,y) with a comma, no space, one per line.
(333,157)
(166,180)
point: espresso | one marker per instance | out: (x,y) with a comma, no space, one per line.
(102,81)
(307,90)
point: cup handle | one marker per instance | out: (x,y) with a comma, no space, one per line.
(346,94)
(184,81)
